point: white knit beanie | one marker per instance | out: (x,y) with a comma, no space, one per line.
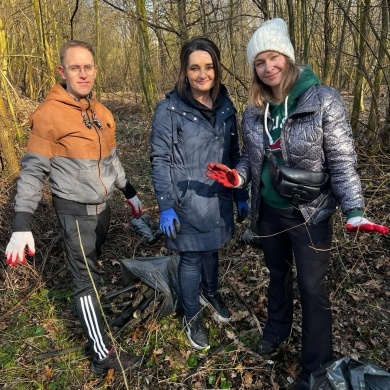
(272,35)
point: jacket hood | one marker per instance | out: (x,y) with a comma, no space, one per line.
(305,80)
(208,113)
(189,99)
(59,94)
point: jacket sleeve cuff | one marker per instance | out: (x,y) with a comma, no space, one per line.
(129,191)
(240,194)
(354,213)
(22,222)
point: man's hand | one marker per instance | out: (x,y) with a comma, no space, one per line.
(169,223)
(364,225)
(16,248)
(223,175)
(242,210)
(135,206)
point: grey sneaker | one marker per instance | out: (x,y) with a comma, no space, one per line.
(217,305)
(100,367)
(196,332)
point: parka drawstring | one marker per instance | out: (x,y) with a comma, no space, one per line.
(271,141)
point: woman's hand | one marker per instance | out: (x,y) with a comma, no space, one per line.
(362,224)
(224,175)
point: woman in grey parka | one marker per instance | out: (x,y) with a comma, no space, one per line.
(194,124)
(303,126)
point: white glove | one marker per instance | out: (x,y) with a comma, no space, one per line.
(364,225)
(135,206)
(16,248)
(356,221)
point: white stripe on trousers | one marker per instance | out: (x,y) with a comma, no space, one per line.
(93,326)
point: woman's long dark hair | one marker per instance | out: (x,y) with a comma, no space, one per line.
(205,44)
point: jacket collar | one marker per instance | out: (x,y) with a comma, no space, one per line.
(179,106)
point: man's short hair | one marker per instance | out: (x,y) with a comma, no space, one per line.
(75,43)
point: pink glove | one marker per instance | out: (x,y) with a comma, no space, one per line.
(223,175)
(16,248)
(364,225)
(135,206)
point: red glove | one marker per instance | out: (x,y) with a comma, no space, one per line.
(16,248)
(223,175)
(364,225)
(135,206)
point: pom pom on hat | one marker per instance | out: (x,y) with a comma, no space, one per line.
(272,35)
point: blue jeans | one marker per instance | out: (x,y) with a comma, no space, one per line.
(285,238)
(197,270)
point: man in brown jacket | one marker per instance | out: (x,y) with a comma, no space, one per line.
(72,143)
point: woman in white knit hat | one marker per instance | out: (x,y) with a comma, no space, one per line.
(298,155)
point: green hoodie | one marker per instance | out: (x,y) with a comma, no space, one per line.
(279,115)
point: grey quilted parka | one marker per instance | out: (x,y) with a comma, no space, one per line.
(316,136)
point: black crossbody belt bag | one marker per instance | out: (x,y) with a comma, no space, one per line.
(296,184)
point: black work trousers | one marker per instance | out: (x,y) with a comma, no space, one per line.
(83,237)
(285,237)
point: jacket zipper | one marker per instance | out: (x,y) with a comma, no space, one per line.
(95,124)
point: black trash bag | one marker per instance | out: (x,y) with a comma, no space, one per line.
(370,377)
(146,228)
(349,374)
(159,273)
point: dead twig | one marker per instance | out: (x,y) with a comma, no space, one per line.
(244,302)
(61,352)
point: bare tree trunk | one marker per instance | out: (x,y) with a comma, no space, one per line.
(162,66)
(291,21)
(6,143)
(182,13)
(145,69)
(373,119)
(358,87)
(327,35)
(4,82)
(98,48)
(387,127)
(49,71)
(302,47)
(336,68)
(6,134)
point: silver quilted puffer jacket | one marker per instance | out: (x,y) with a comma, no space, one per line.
(316,136)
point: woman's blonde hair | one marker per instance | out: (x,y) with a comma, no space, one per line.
(260,93)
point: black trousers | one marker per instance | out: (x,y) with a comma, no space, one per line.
(83,237)
(285,237)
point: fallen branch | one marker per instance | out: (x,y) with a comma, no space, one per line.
(60,352)
(244,302)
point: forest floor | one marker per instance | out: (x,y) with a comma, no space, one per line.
(42,345)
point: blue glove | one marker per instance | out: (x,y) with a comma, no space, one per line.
(242,210)
(169,223)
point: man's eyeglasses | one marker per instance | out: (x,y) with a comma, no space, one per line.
(75,70)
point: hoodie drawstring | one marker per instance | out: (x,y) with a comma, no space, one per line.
(271,141)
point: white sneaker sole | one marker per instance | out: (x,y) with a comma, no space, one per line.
(192,342)
(216,315)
